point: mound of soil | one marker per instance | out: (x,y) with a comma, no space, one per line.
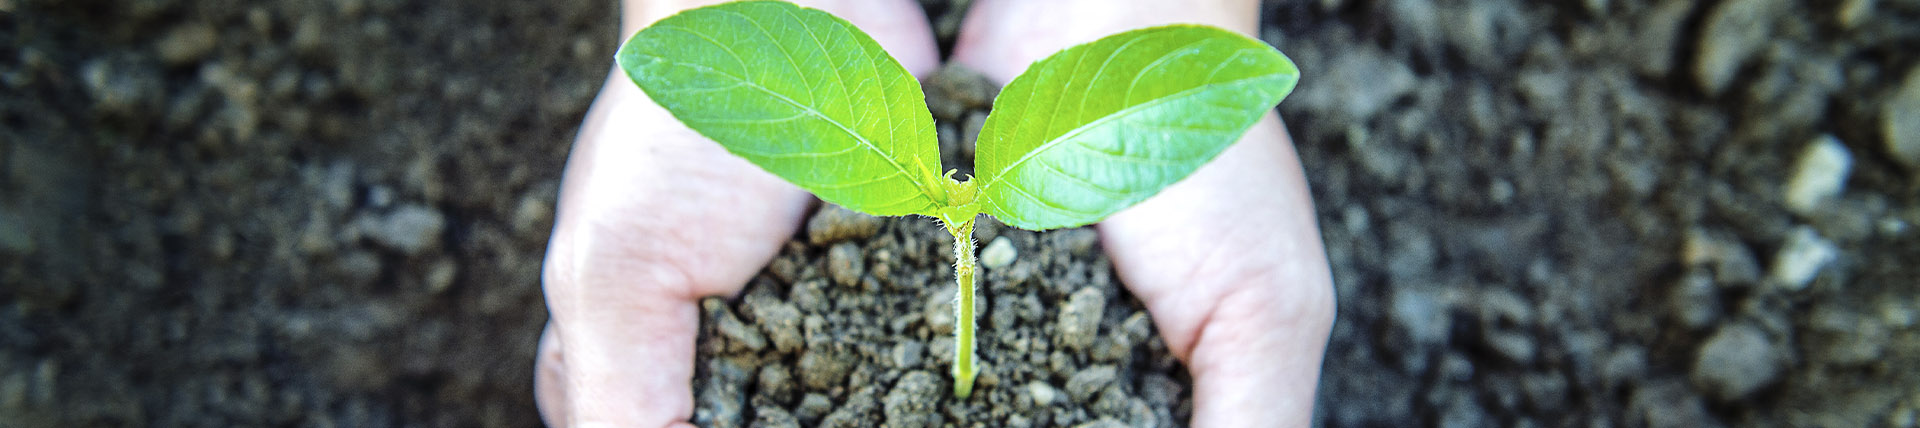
(858,333)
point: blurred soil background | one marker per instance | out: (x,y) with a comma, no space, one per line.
(1581,213)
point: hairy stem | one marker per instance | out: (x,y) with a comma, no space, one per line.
(963,370)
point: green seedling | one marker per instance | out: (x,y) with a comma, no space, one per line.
(1080,135)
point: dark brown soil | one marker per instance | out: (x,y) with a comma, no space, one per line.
(331,213)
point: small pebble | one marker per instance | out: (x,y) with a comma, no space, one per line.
(1079,322)
(1737,361)
(1819,175)
(1042,393)
(998,254)
(1088,381)
(834,224)
(845,264)
(1804,254)
(187,43)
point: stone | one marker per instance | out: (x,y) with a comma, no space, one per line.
(776,381)
(939,310)
(1736,361)
(1900,122)
(739,335)
(845,264)
(1088,381)
(410,229)
(834,223)
(1654,39)
(908,404)
(812,407)
(998,254)
(1801,258)
(1359,84)
(1079,322)
(1160,390)
(187,43)
(1852,12)
(820,370)
(1819,175)
(908,353)
(1420,313)
(1516,346)
(723,399)
(1668,404)
(1734,32)
(1041,393)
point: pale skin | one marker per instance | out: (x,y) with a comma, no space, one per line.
(653,217)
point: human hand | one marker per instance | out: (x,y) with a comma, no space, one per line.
(652,217)
(1229,261)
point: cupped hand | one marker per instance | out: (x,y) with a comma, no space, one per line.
(652,217)
(1229,261)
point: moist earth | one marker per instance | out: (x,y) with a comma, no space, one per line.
(1660,213)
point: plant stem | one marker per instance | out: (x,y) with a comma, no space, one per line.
(963,370)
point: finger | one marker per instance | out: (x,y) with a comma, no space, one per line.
(1236,280)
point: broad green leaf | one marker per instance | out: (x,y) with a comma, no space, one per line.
(1101,126)
(799,92)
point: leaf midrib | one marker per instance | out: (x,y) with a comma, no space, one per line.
(997,175)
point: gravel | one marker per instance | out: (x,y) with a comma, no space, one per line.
(1736,361)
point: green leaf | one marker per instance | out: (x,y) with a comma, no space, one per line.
(799,92)
(1101,126)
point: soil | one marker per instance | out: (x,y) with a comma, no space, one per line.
(1593,213)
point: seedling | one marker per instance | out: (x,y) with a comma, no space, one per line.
(1080,135)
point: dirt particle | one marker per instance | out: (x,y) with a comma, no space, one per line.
(812,407)
(834,223)
(845,264)
(1734,32)
(410,229)
(1819,175)
(998,254)
(910,402)
(1901,122)
(1079,322)
(820,369)
(1801,258)
(187,43)
(908,353)
(1738,360)
(1088,381)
